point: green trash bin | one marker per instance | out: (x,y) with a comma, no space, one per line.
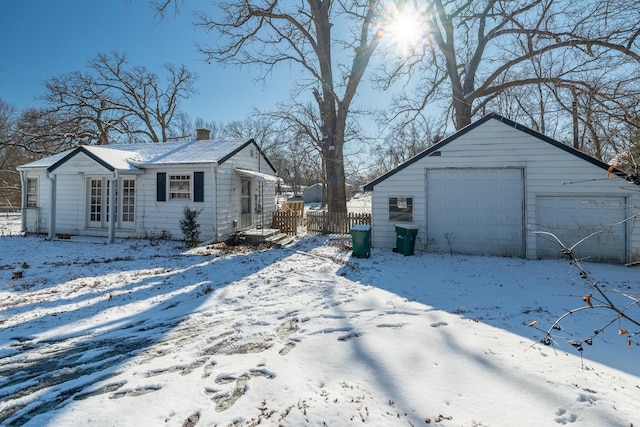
(406,238)
(361,238)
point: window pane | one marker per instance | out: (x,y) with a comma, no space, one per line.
(32,192)
(400,209)
(95,203)
(180,186)
(128,198)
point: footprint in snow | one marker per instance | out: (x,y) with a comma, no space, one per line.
(349,336)
(225,400)
(438,324)
(135,392)
(562,417)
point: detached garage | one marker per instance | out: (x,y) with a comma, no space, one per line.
(486,189)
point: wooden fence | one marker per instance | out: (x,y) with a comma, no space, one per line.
(335,223)
(286,221)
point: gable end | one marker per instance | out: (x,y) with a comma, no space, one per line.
(242,147)
(77,151)
(538,135)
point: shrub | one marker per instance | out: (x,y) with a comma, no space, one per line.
(190,227)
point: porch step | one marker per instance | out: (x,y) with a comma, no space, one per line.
(282,239)
(271,235)
(259,235)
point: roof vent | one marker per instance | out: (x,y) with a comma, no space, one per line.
(203,134)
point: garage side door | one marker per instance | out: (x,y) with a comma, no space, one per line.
(475,211)
(573,218)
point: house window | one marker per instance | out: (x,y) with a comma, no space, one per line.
(128,199)
(32,192)
(179,186)
(400,208)
(95,200)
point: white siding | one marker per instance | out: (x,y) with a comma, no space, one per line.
(158,217)
(229,190)
(409,182)
(548,171)
(153,218)
(162,218)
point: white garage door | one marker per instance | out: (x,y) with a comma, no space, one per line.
(475,211)
(573,218)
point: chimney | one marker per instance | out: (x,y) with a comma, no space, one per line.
(203,134)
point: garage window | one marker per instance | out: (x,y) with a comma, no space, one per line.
(400,208)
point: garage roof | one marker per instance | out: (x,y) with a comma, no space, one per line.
(494,116)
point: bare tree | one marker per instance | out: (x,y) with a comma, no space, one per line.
(403,141)
(216,128)
(622,306)
(9,157)
(300,34)
(25,137)
(259,127)
(476,51)
(112,99)
(42,132)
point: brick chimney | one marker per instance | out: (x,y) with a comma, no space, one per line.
(203,134)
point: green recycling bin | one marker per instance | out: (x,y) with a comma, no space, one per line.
(406,238)
(361,238)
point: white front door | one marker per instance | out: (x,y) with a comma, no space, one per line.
(97,203)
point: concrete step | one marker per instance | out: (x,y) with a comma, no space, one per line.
(281,239)
(258,235)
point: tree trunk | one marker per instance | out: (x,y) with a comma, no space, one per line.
(462,111)
(336,191)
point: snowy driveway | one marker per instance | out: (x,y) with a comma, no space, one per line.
(140,334)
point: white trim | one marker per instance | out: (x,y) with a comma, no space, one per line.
(269,179)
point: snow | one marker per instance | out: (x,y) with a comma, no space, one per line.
(406,225)
(148,333)
(119,155)
(361,227)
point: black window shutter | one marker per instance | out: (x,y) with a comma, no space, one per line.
(161,187)
(198,186)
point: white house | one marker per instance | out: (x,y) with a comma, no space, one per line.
(313,193)
(231,182)
(487,188)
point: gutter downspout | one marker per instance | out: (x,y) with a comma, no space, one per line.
(214,199)
(23,202)
(52,205)
(112,207)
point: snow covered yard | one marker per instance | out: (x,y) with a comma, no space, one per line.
(137,334)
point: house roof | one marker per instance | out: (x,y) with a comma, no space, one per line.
(132,157)
(494,116)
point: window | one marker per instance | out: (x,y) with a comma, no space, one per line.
(179,186)
(95,200)
(32,192)
(128,199)
(400,208)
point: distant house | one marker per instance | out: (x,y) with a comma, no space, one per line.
(231,182)
(313,193)
(488,187)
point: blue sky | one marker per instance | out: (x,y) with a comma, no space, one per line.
(43,38)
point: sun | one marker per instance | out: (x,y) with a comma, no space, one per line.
(404,28)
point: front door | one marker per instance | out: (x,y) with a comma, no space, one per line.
(246,220)
(97,200)
(98,203)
